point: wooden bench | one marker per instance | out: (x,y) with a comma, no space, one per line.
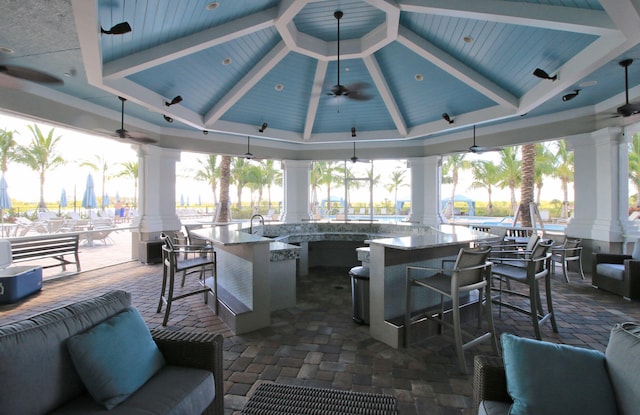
(47,246)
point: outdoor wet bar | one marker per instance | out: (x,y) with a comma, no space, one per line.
(388,259)
(257,271)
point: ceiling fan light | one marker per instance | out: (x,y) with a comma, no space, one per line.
(119,29)
(544,75)
(174,101)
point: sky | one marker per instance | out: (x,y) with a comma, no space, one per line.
(75,147)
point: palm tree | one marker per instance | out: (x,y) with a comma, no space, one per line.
(450,170)
(130,169)
(239,177)
(41,156)
(8,148)
(209,173)
(271,176)
(326,173)
(634,165)
(256,181)
(485,176)
(527,182)
(509,172)
(564,172)
(396,180)
(225,180)
(99,164)
(545,165)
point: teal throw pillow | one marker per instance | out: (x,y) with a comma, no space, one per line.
(546,378)
(116,357)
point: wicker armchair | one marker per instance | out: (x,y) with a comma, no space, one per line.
(197,350)
(490,385)
(617,273)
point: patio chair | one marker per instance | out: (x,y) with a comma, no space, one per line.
(569,251)
(536,268)
(618,273)
(186,259)
(471,271)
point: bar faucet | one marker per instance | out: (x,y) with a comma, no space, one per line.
(260,222)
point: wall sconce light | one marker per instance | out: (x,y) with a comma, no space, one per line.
(543,75)
(353,131)
(176,100)
(571,95)
(447,118)
(119,29)
(167,118)
(263,127)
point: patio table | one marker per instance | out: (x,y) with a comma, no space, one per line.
(281,399)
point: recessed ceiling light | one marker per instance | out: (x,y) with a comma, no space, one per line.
(418,77)
(226,61)
(213,5)
(588,84)
(347,69)
(6,49)
(279,87)
(467,39)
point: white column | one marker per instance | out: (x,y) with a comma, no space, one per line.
(601,174)
(425,190)
(157,191)
(296,190)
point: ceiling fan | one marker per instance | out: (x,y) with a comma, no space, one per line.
(29,74)
(480,149)
(133,136)
(627,109)
(248,155)
(355,159)
(354,90)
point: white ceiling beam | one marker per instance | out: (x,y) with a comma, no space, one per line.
(457,69)
(577,68)
(385,92)
(85,14)
(625,15)
(570,19)
(247,82)
(190,44)
(314,100)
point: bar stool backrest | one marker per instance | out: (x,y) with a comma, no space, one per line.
(469,266)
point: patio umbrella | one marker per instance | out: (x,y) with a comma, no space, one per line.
(105,201)
(5,200)
(63,198)
(182,200)
(89,200)
(117,196)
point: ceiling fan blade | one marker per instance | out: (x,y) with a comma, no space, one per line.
(481,149)
(29,74)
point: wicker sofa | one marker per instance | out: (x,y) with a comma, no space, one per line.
(620,373)
(39,373)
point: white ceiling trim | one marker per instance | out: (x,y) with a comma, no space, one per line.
(383,87)
(570,19)
(455,68)
(188,45)
(314,100)
(261,69)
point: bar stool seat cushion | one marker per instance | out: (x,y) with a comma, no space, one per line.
(549,378)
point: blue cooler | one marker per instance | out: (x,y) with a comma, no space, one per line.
(16,282)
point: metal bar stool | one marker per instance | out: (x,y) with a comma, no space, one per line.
(186,259)
(470,272)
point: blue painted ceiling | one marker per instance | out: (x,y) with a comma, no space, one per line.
(240,63)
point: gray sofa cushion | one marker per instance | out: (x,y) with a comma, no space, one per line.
(613,271)
(172,391)
(623,364)
(34,356)
(494,408)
